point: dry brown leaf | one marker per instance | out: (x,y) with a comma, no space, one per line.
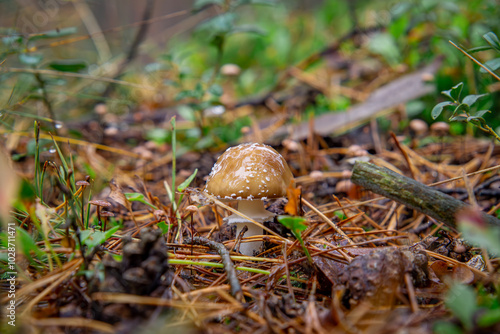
(118,196)
(293,194)
(459,273)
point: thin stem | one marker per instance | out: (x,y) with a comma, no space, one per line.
(476,61)
(46,101)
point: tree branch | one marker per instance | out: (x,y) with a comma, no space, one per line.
(411,193)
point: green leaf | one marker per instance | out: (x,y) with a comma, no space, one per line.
(158,135)
(54,33)
(489,318)
(216,90)
(476,118)
(109,233)
(164,227)
(69,65)
(30,58)
(188,181)
(9,40)
(479,49)
(455,90)
(484,237)
(492,40)
(185,94)
(293,223)
(461,300)
(458,118)
(481,113)
(138,197)
(218,25)
(461,107)
(249,28)
(493,65)
(385,45)
(442,327)
(27,244)
(196,93)
(438,109)
(26,190)
(199,4)
(94,238)
(471,99)
(296,225)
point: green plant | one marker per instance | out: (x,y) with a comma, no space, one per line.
(463,111)
(476,309)
(296,225)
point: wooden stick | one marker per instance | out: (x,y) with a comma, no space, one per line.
(411,193)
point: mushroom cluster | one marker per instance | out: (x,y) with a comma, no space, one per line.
(249,173)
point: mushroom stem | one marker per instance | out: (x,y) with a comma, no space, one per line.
(255,210)
(248,248)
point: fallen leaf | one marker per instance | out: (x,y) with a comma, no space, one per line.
(293,194)
(118,196)
(458,273)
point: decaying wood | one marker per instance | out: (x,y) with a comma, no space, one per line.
(402,90)
(411,193)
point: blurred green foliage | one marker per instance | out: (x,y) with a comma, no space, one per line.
(264,38)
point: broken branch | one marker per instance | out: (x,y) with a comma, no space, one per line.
(411,193)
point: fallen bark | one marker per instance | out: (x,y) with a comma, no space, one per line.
(409,87)
(413,194)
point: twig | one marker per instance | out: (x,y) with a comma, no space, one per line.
(411,167)
(236,290)
(476,61)
(411,193)
(328,221)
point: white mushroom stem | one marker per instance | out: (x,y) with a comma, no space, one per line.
(255,210)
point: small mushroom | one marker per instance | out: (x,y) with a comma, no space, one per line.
(83,184)
(230,70)
(249,173)
(104,215)
(191,210)
(418,127)
(440,129)
(100,203)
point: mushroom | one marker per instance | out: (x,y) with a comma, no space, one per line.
(249,173)
(440,129)
(83,184)
(230,70)
(418,127)
(104,215)
(100,204)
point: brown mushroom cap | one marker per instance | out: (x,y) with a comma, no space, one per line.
(82,183)
(249,171)
(100,202)
(419,126)
(440,128)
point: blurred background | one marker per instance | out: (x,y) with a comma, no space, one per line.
(71,63)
